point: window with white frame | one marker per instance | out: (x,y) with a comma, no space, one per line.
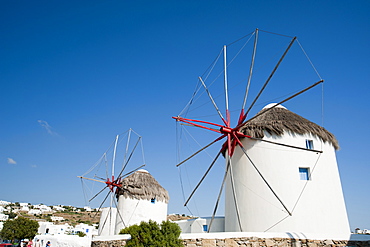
(304,173)
(309,144)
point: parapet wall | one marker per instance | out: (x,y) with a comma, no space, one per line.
(267,242)
(251,241)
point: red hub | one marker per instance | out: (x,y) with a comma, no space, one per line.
(113,184)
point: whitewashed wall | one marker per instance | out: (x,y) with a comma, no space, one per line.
(63,240)
(134,211)
(320,208)
(196,225)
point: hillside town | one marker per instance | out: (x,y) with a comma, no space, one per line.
(60,219)
(53,220)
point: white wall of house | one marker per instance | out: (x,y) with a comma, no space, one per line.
(34,211)
(88,230)
(133,211)
(317,204)
(3,217)
(201,225)
(63,240)
(58,208)
(50,228)
(56,218)
(4,203)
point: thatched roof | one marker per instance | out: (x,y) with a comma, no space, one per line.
(142,185)
(279,119)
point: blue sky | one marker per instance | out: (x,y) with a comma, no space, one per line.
(76,74)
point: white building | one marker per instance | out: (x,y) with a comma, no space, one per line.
(25,208)
(58,208)
(43,207)
(3,217)
(87,209)
(56,218)
(4,203)
(288,180)
(86,229)
(34,211)
(201,225)
(50,228)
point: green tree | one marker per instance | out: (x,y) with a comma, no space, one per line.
(19,228)
(11,215)
(152,234)
(81,234)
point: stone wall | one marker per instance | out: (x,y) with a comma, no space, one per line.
(278,242)
(250,242)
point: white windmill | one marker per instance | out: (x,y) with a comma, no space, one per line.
(110,170)
(281,172)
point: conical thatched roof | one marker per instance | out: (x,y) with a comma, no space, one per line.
(142,185)
(279,119)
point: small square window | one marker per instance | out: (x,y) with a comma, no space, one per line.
(152,200)
(205,228)
(304,173)
(309,144)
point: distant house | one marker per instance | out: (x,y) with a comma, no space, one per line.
(3,217)
(88,230)
(34,211)
(25,208)
(4,203)
(56,218)
(50,228)
(88,209)
(58,208)
(43,208)
(201,225)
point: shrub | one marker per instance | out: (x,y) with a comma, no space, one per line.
(81,234)
(152,234)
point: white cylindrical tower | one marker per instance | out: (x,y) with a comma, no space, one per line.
(302,173)
(107,221)
(141,198)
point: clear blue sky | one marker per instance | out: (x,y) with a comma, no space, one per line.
(73,74)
